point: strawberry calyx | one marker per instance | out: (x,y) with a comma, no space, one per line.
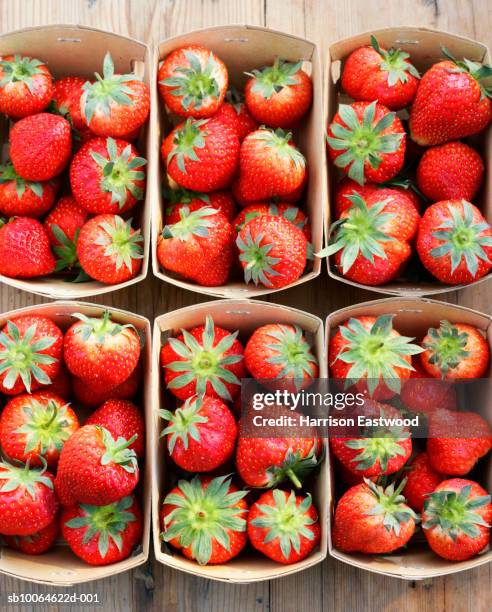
(204,514)
(281,142)
(259,263)
(446,346)
(118,451)
(395,64)
(22,356)
(362,141)
(295,467)
(121,241)
(183,196)
(7,174)
(391,504)
(272,79)
(97,329)
(22,475)
(20,70)
(286,521)
(479,72)
(195,223)
(66,249)
(104,523)
(186,140)
(182,424)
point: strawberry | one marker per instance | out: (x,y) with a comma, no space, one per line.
(203,360)
(200,435)
(109,249)
(114,104)
(192,82)
(26,86)
(123,420)
(371,240)
(106,176)
(367,142)
(451,102)
(270,165)
(452,171)
(36,543)
(454,242)
(421,480)
(205,518)
(370,352)
(95,468)
(100,351)
(66,101)
(240,193)
(21,198)
(371,73)
(40,146)
(279,95)
(34,428)
(373,520)
(193,200)
(201,154)
(93,395)
(288,211)
(198,246)
(27,499)
(272,251)
(30,354)
(241,120)
(455,351)
(61,384)
(101,535)
(284,526)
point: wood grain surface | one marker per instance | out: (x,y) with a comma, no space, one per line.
(331,585)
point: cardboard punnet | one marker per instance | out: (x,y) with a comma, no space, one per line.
(413,316)
(424,47)
(244,48)
(245,316)
(59,566)
(78,50)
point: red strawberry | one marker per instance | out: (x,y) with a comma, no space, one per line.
(66,100)
(40,146)
(454,242)
(106,176)
(201,154)
(452,171)
(30,354)
(123,420)
(203,360)
(272,251)
(193,200)
(36,543)
(34,428)
(114,104)
(205,518)
(241,196)
(192,81)
(451,102)
(27,499)
(61,384)
(373,520)
(26,86)
(21,198)
(421,480)
(283,526)
(109,249)
(288,211)
(200,435)
(95,468)
(371,73)
(236,112)
(100,351)
(101,535)
(279,95)
(93,395)
(367,141)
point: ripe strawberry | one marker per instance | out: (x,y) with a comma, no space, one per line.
(26,86)
(114,104)
(371,73)
(204,360)
(61,384)
(451,102)
(101,535)
(452,171)
(454,242)
(40,146)
(27,499)
(367,142)
(279,95)
(373,520)
(272,251)
(193,200)
(109,249)
(95,468)
(66,101)
(236,112)
(242,197)
(34,428)
(192,81)
(36,543)
(21,198)
(200,435)
(198,246)
(283,526)
(93,395)
(100,351)
(205,518)
(288,211)
(30,354)
(421,480)
(201,154)
(123,420)
(456,519)
(106,176)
